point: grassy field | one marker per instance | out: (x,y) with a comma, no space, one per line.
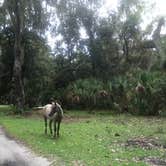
(94,139)
(5,108)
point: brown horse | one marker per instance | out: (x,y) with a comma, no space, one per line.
(54,113)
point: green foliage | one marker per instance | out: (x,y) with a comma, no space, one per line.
(118,94)
(37,71)
(105,60)
(87,91)
(151,101)
(21,16)
(6,62)
(5,109)
(9,110)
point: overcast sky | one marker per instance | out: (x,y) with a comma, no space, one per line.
(160,5)
(159,8)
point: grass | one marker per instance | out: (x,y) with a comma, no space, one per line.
(5,108)
(96,140)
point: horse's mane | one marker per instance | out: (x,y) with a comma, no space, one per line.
(59,109)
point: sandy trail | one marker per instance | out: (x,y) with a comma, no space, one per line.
(16,154)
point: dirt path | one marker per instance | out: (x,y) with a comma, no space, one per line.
(16,154)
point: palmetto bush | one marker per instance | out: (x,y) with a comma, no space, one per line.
(158,96)
(152,101)
(120,94)
(85,93)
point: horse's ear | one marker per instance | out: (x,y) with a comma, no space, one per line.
(58,101)
(53,103)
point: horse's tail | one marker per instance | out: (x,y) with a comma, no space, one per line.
(38,108)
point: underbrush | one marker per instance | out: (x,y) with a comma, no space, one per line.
(119,94)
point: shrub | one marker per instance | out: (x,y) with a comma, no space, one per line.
(119,93)
(90,92)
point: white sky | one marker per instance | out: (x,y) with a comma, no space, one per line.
(159,8)
(160,5)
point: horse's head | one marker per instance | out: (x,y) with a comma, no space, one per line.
(56,108)
(53,110)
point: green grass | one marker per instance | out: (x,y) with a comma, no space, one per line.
(91,141)
(5,108)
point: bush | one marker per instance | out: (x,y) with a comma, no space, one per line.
(154,97)
(88,93)
(119,93)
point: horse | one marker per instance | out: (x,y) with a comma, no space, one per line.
(54,113)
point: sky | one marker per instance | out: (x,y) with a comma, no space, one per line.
(160,5)
(159,8)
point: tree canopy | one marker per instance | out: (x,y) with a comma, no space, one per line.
(31,72)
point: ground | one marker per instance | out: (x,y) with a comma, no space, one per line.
(13,153)
(94,139)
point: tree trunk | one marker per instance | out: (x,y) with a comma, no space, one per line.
(16,13)
(92,53)
(126,50)
(18,96)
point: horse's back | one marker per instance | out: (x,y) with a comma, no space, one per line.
(46,110)
(57,115)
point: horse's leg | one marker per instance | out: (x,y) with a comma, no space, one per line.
(45,120)
(54,128)
(59,122)
(50,126)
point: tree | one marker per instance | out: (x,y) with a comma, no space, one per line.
(6,61)
(74,15)
(107,47)
(21,15)
(87,13)
(158,41)
(38,70)
(68,27)
(130,31)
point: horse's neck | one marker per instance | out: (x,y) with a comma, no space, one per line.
(60,111)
